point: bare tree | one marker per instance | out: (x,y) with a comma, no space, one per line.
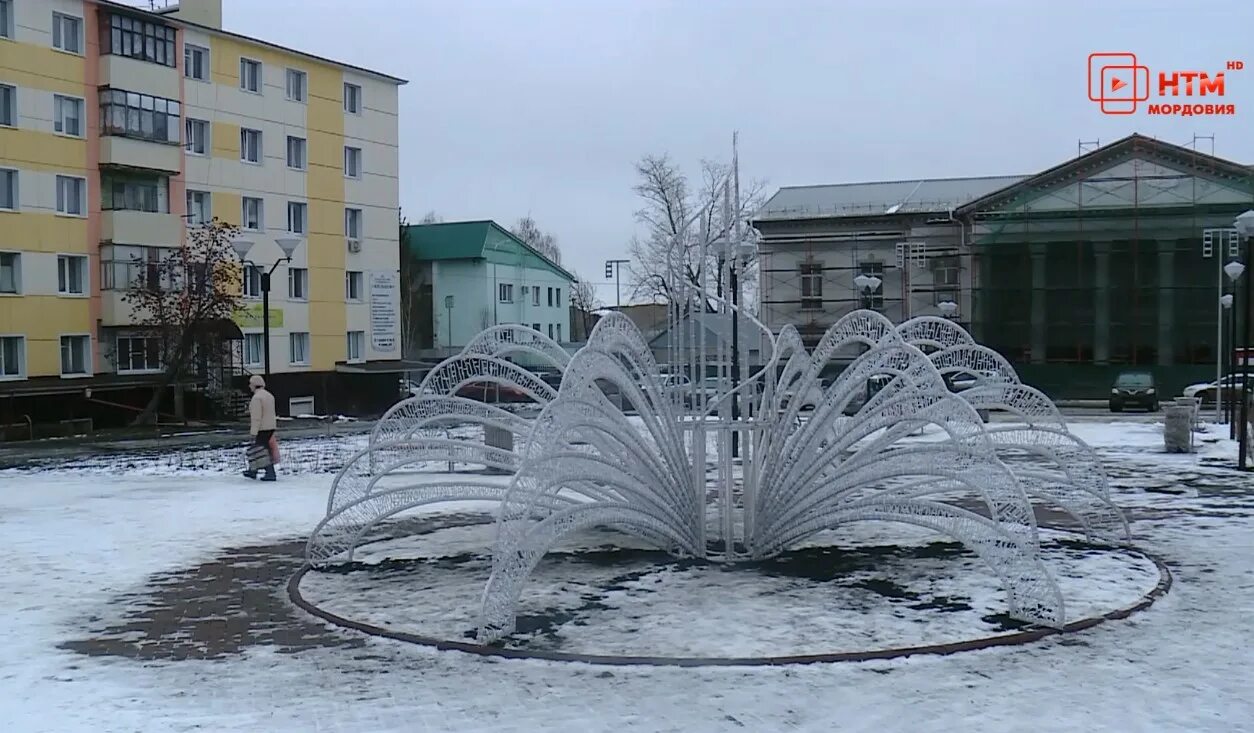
(179,300)
(680,222)
(541,241)
(431,218)
(584,300)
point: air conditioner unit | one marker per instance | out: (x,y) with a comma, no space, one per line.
(354,245)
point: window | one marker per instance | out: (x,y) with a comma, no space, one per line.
(74,350)
(8,189)
(297,214)
(874,299)
(139,39)
(811,286)
(67,115)
(296,85)
(67,33)
(506,292)
(134,193)
(250,75)
(352,223)
(10,272)
(251,218)
(199,208)
(12,349)
(196,137)
(557,299)
(71,274)
(296,152)
(252,281)
(353,285)
(352,98)
(299,344)
(297,283)
(8,105)
(356,345)
(144,116)
(250,145)
(195,62)
(6,18)
(550,330)
(559,332)
(254,348)
(352,162)
(138,354)
(71,195)
(945,271)
(535,298)
(126,266)
(535,327)
(550,297)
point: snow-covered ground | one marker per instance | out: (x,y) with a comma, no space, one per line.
(873,585)
(88,543)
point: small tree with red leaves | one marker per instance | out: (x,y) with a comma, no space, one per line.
(180,300)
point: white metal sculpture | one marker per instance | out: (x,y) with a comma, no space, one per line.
(617,445)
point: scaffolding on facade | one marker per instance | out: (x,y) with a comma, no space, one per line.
(1138,286)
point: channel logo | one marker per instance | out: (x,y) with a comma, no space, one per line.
(1117,82)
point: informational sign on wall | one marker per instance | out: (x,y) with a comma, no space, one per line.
(384,310)
(252,316)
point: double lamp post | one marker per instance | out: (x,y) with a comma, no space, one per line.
(242,247)
(1244,225)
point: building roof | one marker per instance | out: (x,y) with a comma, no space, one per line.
(468,240)
(717,328)
(878,198)
(1134,144)
(166,16)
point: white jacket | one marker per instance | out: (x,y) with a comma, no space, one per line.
(261,412)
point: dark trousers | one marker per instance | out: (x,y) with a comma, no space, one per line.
(263,439)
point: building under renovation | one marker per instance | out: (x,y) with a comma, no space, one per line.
(1109,261)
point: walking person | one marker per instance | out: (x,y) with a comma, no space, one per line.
(263,423)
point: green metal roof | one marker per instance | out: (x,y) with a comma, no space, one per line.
(474,240)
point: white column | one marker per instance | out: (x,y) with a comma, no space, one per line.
(1038,303)
(1101,302)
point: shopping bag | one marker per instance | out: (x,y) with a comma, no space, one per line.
(274,449)
(258,457)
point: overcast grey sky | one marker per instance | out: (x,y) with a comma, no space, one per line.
(542,106)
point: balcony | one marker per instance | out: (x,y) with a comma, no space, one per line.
(141,227)
(142,76)
(114,311)
(132,154)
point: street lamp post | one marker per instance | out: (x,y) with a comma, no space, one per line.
(867,285)
(948,308)
(448,310)
(1245,229)
(1222,397)
(242,247)
(1234,271)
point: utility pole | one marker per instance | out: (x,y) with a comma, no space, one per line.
(735,296)
(613,269)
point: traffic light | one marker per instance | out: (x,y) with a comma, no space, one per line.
(609,270)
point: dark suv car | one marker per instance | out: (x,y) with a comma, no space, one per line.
(1134,389)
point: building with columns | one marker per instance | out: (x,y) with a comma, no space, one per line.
(1109,261)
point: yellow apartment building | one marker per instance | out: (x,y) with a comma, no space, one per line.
(120,127)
